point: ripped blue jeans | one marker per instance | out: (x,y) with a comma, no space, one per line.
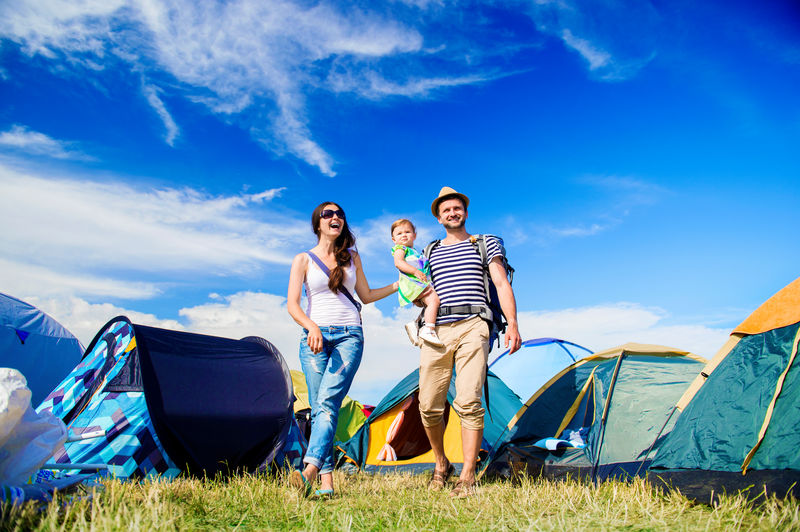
(329,375)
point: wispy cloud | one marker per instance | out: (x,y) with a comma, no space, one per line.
(624,192)
(151,94)
(596,57)
(616,39)
(90,231)
(614,198)
(252,61)
(22,139)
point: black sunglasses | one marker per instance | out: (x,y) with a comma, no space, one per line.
(328,213)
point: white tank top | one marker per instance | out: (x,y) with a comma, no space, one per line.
(324,307)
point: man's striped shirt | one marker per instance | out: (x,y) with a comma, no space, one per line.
(457,275)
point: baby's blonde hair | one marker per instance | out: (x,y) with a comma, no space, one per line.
(400,222)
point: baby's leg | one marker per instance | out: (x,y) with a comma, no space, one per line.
(431,301)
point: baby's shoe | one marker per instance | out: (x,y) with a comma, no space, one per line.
(428,334)
(413,333)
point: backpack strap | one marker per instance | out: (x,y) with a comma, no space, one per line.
(479,241)
(427,251)
(327,272)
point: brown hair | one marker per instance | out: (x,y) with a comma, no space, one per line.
(341,246)
(400,222)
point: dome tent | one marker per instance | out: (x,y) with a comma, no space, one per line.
(393,439)
(598,417)
(738,424)
(146,401)
(527,369)
(36,345)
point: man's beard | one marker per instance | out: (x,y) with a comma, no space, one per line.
(454,224)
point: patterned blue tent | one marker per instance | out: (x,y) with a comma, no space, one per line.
(146,401)
(36,345)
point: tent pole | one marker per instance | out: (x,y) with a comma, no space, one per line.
(74,466)
(605,416)
(672,412)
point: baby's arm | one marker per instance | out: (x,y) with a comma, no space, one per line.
(401,264)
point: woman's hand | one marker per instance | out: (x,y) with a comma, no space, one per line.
(314,339)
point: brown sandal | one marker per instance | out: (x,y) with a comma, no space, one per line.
(439,478)
(464,489)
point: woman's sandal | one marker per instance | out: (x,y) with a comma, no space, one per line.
(439,478)
(324,494)
(298,481)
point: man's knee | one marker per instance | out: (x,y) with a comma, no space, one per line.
(471,414)
(430,412)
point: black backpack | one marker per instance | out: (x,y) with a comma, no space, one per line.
(493,313)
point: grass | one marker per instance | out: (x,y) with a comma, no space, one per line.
(394,502)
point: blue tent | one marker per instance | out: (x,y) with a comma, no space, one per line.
(527,369)
(36,345)
(395,426)
(146,401)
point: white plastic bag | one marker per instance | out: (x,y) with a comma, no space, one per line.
(27,439)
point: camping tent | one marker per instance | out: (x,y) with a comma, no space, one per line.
(351,413)
(393,438)
(598,417)
(147,401)
(739,420)
(526,370)
(36,345)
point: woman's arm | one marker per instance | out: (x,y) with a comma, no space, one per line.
(365,293)
(401,264)
(296,276)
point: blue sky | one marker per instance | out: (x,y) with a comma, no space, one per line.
(639,159)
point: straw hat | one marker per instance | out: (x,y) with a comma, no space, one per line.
(447,193)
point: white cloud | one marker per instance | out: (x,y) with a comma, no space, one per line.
(25,278)
(84,319)
(614,197)
(74,231)
(151,94)
(22,139)
(596,57)
(256,60)
(616,39)
(627,191)
(604,326)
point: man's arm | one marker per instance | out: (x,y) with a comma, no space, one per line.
(507,302)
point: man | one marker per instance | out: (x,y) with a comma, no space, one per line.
(457,276)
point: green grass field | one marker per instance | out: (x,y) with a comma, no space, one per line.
(395,502)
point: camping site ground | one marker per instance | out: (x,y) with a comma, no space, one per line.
(393,502)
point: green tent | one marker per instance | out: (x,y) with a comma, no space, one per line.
(393,438)
(351,413)
(739,426)
(599,417)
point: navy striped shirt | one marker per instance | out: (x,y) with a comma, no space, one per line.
(457,275)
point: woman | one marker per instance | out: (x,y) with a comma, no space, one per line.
(332,344)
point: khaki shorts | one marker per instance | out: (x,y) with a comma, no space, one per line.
(466,346)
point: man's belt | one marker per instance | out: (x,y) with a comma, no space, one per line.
(483,311)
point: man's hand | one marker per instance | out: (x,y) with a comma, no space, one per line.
(512,338)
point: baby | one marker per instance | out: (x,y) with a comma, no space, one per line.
(414,284)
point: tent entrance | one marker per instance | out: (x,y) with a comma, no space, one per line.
(397,437)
